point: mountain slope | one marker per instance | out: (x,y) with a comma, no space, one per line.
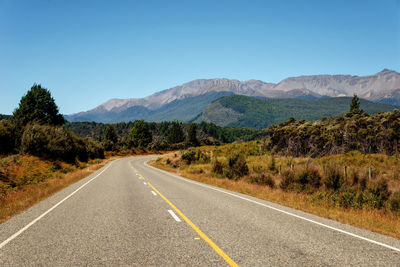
(169,104)
(259,113)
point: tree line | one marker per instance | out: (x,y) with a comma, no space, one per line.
(356,130)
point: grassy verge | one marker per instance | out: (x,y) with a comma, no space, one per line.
(31,180)
(322,202)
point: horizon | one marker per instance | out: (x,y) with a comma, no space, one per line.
(132,49)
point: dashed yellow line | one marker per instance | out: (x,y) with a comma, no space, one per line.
(198,231)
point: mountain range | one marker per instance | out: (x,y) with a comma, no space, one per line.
(187,101)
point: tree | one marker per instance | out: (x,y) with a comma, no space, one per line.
(38,106)
(140,134)
(192,138)
(110,138)
(176,134)
(355,106)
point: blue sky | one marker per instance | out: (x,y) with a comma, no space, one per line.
(87,52)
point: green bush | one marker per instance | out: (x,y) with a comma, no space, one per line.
(58,143)
(347,199)
(333,179)
(309,177)
(189,156)
(238,166)
(7,137)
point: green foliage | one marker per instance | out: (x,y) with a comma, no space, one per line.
(333,178)
(176,134)
(192,135)
(354,106)
(8,137)
(56,143)
(38,106)
(378,133)
(140,134)
(237,166)
(309,177)
(189,156)
(110,138)
(261,113)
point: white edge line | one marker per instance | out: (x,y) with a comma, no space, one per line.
(144,183)
(174,216)
(154,193)
(5,242)
(279,210)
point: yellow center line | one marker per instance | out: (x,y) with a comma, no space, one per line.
(198,231)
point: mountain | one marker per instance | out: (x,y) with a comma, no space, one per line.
(181,102)
(244,111)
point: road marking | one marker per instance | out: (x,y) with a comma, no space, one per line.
(279,210)
(198,231)
(197,238)
(154,193)
(5,242)
(144,183)
(174,216)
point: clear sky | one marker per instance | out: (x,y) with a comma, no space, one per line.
(87,52)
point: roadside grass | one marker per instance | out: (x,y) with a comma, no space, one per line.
(34,179)
(319,201)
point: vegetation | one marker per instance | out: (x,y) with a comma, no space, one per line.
(196,134)
(140,134)
(377,133)
(318,185)
(110,138)
(38,106)
(175,134)
(261,113)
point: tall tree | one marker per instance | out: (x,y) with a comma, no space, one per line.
(192,138)
(176,134)
(355,106)
(110,138)
(38,105)
(140,134)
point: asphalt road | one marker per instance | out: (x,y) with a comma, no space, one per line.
(131,214)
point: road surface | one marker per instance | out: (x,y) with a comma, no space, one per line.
(131,214)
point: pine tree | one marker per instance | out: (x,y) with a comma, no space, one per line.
(38,106)
(140,134)
(176,134)
(110,138)
(354,106)
(192,138)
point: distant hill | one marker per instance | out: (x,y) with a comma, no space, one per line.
(247,111)
(181,102)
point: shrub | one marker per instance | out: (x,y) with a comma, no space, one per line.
(189,156)
(238,166)
(333,179)
(287,180)
(262,179)
(310,177)
(272,164)
(347,199)
(217,167)
(7,137)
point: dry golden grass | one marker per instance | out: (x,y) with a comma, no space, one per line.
(379,221)
(18,199)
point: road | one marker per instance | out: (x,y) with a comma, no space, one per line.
(131,214)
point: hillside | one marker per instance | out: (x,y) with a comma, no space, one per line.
(185,101)
(246,111)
